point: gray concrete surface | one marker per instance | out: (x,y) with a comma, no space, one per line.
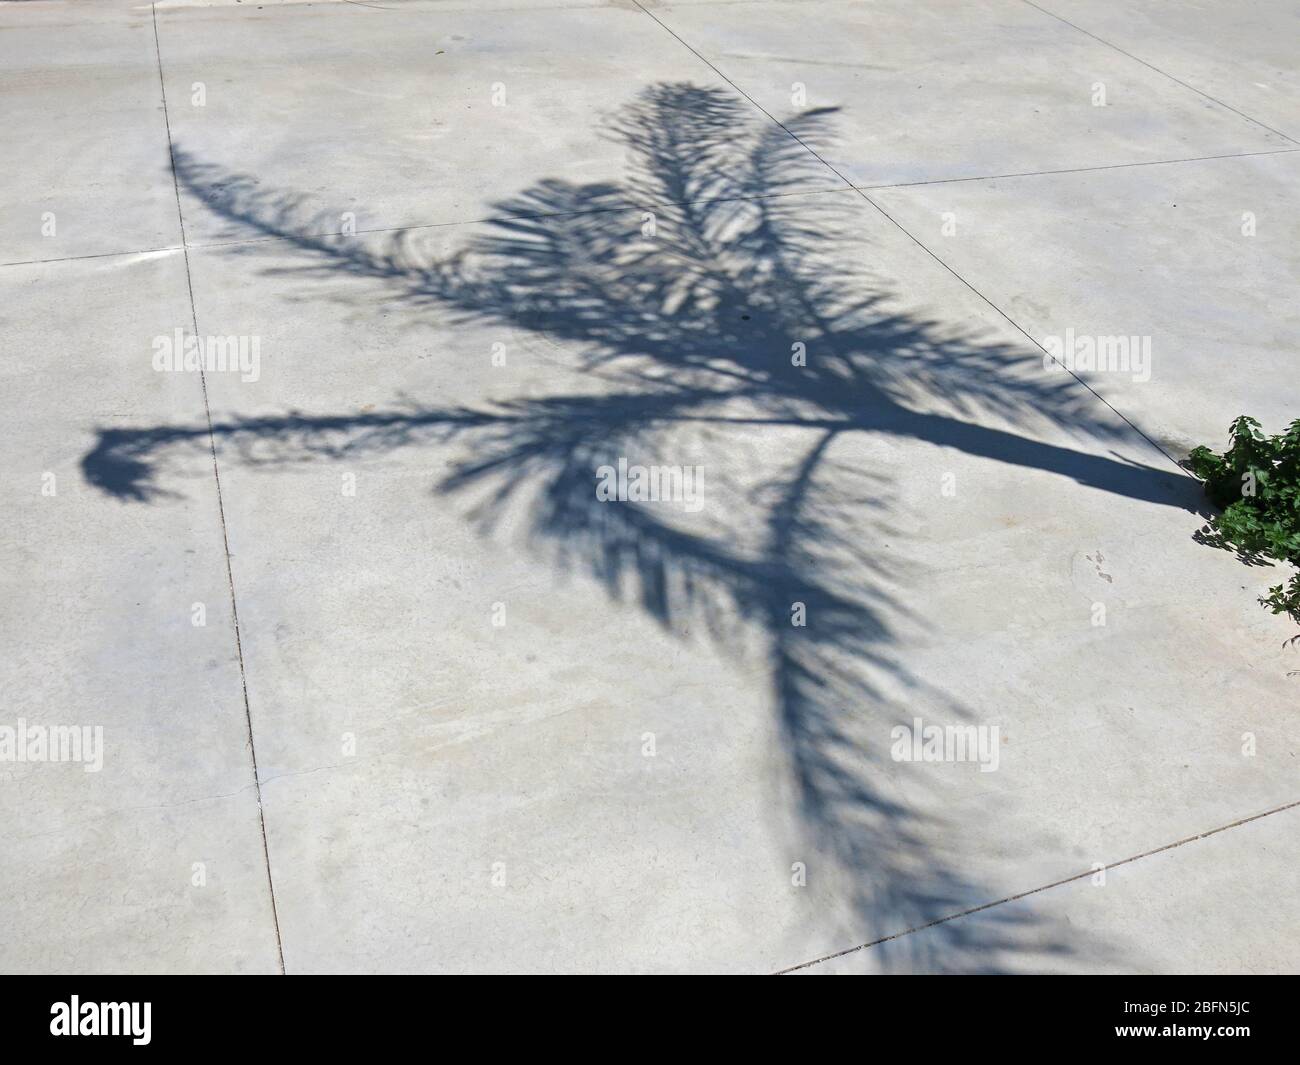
(470,718)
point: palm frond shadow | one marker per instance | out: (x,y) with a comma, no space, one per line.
(691,330)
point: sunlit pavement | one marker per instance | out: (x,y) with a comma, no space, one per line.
(360,650)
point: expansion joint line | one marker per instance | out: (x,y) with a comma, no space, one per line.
(221,507)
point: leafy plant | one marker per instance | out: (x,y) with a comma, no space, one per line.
(1256,482)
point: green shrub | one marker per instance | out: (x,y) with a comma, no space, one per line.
(1256,483)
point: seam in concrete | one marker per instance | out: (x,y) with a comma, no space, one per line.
(1037,890)
(96,255)
(915,240)
(1080,169)
(1162,73)
(221,508)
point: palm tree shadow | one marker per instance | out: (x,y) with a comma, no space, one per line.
(727,311)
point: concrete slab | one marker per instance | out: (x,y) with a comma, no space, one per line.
(949,89)
(152,862)
(84,134)
(1200,258)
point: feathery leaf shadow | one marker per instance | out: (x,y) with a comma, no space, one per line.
(689,330)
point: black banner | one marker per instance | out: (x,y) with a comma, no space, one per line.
(140,1014)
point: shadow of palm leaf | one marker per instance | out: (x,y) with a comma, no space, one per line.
(691,331)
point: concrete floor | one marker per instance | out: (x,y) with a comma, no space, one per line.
(384,687)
